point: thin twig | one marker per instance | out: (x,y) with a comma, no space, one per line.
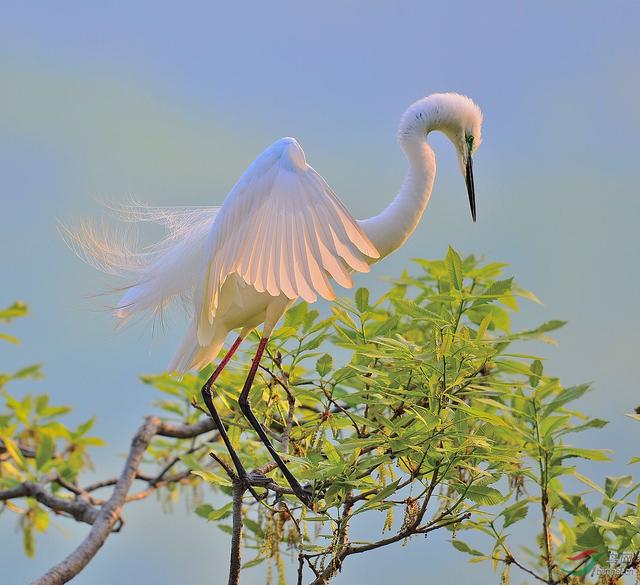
(544,497)
(323,577)
(511,561)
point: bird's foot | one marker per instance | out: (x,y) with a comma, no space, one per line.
(319,490)
(256,479)
(304,493)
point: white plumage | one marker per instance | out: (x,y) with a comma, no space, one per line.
(281,234)
(157,274)
(283,231)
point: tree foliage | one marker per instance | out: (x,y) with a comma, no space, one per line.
(419,409)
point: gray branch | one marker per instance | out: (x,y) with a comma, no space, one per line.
(104,519)
(79,509)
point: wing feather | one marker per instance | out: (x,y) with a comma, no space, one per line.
(357,235)
(329,256)
(313,257)
(282,230)
(274,284)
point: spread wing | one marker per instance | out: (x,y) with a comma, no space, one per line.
(284,231)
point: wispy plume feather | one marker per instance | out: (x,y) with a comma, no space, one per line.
(154,275)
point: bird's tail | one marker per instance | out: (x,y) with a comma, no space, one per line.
(191,355)
(155,275)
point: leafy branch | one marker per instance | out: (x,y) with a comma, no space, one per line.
(413,408)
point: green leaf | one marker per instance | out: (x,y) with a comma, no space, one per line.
(18,309)
(295,315)
(45,451)
(550,326)
(485,495)
(253,526)
(590,538)
(484,324)
(514,513)
(536,373)
(9,338)
(220,514)
(526,294)
(613,484)
(362,299)
(465,548)
(30,372)
(592,484)
(253,562)
(15,452)
(454,268)
(329,449)
(562,453)
(165,384)
(383,494)
(567,395)
(606,524)
(594,423)
(212,478)
(203,510)
(85,427)
(40,520)
(573,505)
(544,328)
(489,417)
(324,364)
(498,288)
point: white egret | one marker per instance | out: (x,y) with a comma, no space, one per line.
(281,234)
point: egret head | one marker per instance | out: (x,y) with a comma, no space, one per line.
(460,119)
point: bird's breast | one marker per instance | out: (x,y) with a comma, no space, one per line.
(241,305)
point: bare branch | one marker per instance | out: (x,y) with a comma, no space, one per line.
(104,520)
(323,577)
(509,560)
(180,431)
(109,513)
(80,510)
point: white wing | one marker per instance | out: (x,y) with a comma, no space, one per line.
(284,231)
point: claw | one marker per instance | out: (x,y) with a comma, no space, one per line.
(257,479)
(305,495)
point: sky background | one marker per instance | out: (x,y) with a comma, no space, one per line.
(170,104)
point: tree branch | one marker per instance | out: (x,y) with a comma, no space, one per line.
(323,577)
(235,560)
(180,431)
(104,519)
(109,513)
(80,510)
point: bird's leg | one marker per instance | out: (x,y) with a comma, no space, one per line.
(302,494)
(207,396)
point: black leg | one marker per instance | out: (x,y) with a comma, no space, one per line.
(303,495)
(207,396)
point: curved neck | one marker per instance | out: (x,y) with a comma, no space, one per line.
(393,225)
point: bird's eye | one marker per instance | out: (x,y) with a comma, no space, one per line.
(469,138)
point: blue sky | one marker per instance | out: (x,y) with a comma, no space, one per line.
(170,105)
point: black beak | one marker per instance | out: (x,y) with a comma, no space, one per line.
(471,189)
